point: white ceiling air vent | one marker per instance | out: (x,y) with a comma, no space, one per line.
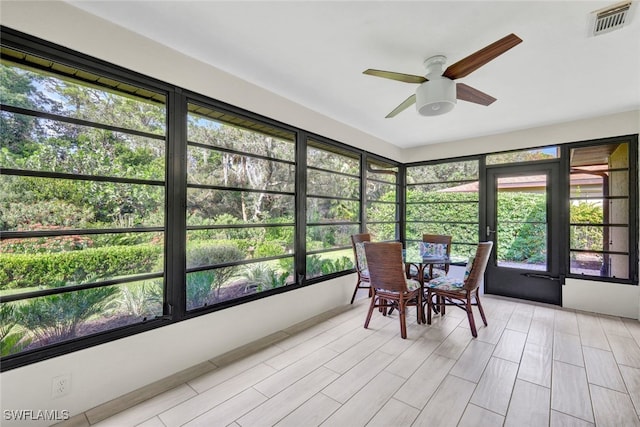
(610,18)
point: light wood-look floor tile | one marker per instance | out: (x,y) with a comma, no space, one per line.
(419,388)
(311,413)
(150,408)
(230,410)
(541,333)
(591,332)
(285,402)
(566,321)
(612,408)
(474,359)
(570,391)
(394,413)
(631,378)
(475,416)
(361,408)
(567,348)
(625,350)
(558,419)
(534,364)
(529,405)
(510,345)
(357,377)
(447,404)
(494,389)
(602,369)
(614,326)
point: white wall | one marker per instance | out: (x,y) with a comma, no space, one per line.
(107,371)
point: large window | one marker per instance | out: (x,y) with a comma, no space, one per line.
(333,207)
(600,190)
(383,219)
(443,198)
(240,207)
(82,203)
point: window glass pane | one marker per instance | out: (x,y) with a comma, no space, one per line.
(321,183)
(330,236)
(334,159)
(329,262)
(460,233)
(211,127)
(253,242)
(443,172)
(445,212)
(524,155)
(207,207)
(381,171)
(210,167)
(68,97)
(381,212)
(47,320)
(32,203)
(598,238)
(32,263)
(598,264)
(66,148)
(382,192)
(452,191)
(522,224)
(382,231)
(332,210)
(216,285)
(598,184)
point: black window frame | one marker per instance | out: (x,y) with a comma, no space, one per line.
(175,227)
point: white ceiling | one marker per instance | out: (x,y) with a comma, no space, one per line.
(313,53)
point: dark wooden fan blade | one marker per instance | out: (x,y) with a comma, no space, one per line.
(476,60)
(406,104)
(407,78)
(469,94)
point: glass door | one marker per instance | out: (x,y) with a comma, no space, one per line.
(523,221)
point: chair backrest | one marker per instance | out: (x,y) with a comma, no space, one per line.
(357,242)
(438,239)
(479,265)
(386,268)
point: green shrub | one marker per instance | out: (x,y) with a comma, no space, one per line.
(12,339)
(140,299)
(56,317)
(205,254)
(47,270)
(261,277)
(269,248)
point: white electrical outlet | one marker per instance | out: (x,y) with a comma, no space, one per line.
(61,385)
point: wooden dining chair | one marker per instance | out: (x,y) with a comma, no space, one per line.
(462,293)
(436,244)
(357,243)
(391,288)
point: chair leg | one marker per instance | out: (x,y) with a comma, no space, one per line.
(484,319)
(371,307)
(429,306)
(403,320)
(355,291)
(472,322)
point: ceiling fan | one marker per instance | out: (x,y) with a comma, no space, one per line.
(437,92)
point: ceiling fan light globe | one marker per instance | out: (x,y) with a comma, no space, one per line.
(436,97)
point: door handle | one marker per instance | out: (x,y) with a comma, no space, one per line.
(490,231)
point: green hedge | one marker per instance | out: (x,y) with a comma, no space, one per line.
(60,268)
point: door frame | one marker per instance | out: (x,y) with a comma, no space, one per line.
(540,286)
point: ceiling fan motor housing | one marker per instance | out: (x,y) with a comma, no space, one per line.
(435,97)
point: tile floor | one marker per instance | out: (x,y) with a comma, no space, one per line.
(533,365)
